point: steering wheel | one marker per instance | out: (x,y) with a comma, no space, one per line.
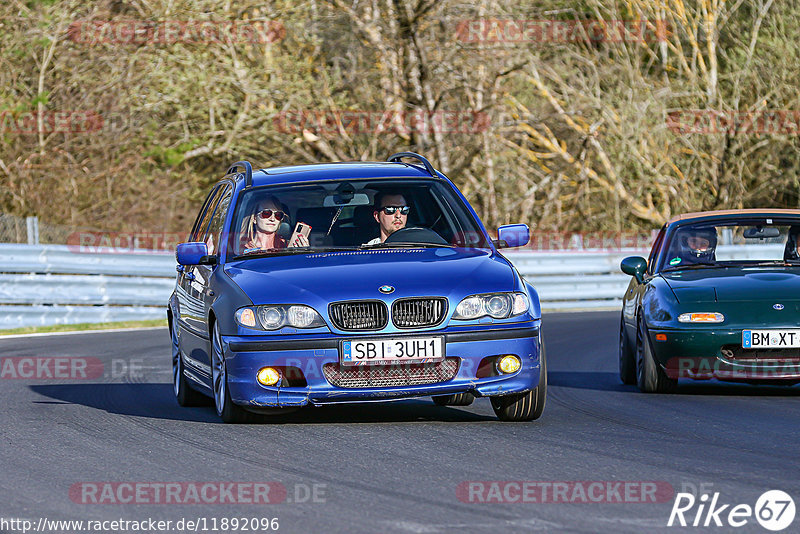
(416,234)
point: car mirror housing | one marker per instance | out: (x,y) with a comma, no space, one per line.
(191,253)
(514,235)
(634,266)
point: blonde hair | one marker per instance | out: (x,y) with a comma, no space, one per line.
(248,231)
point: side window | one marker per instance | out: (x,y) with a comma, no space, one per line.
(208,209)
(654,251)
(217,221)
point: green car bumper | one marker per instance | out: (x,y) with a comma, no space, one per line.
(718,353)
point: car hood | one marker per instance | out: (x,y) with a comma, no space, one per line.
(780,284)
(325,277)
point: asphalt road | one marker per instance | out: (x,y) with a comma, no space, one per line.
(391,467)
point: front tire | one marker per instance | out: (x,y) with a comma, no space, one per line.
(649,376)
(627,358)
(226,409)
(184,394)
(457,399)
(524,406)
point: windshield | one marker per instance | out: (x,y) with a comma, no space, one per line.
(733,242)
(351,214)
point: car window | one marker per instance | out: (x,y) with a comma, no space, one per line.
(737,240)
(217,220)
(342,214)
(651,260)
(201,225)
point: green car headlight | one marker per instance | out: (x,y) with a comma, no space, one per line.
(495,305)
(277,316)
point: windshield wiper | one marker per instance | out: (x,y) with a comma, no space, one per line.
(269,252)
(405,244)
(694,265)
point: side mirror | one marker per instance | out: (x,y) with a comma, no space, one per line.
(634,266)
(512,235)
(192,253)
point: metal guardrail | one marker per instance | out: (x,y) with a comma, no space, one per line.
(52,284)
(64,259)
(575,280)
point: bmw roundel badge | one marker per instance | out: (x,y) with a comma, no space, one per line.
(778,307)
(386,289)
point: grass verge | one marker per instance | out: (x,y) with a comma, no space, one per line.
(83,326)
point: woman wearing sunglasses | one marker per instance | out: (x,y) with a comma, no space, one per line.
(260,230)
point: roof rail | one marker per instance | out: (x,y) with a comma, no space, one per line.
(395,158)
(248,169)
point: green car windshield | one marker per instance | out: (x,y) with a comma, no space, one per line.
(732,242)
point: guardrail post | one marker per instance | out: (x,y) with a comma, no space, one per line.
(33,230)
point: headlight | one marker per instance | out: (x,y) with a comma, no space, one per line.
(276,317)
(701,318)
(496,305)
(271,317)
(246,317)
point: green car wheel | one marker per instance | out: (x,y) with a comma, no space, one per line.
(649,376)
(627,360)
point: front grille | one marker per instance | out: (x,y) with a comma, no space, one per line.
(418,312)
(742,355)
(359,315)
(379,376)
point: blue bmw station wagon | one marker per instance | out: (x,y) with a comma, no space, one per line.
(351,282)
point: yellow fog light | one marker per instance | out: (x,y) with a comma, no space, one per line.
(268,376)
(509,364)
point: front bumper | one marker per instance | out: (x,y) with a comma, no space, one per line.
(705,353)
(471,347)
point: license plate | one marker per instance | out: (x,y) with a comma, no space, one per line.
(773,339)
(388,351)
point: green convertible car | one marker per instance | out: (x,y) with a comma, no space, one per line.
(718,297)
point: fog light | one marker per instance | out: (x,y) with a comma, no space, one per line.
(508,364)
(268,376)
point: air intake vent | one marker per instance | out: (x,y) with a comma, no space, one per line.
(380,376)
(359,315)
(418,312)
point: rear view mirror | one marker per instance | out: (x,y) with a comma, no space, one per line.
(634,266)
(760,232)
(191,253)
(513,235)
(339,201)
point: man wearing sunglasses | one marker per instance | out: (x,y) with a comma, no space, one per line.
(391,214)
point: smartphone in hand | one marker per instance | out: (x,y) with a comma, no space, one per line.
(300,229)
